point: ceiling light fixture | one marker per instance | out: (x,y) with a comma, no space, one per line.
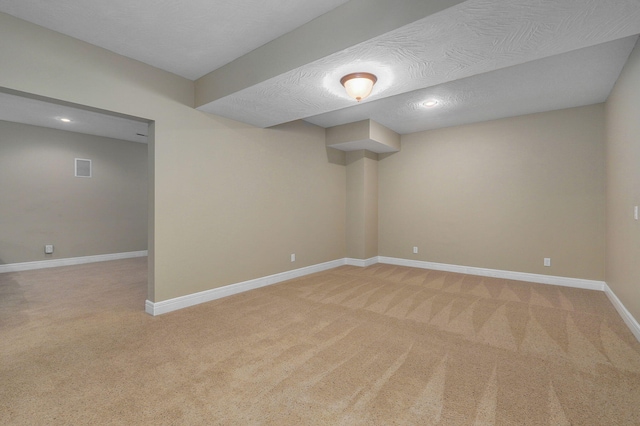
(430,103)
(65,120)
(359,84)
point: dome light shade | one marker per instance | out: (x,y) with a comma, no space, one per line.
(359,84)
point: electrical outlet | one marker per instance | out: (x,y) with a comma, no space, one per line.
(415,250)
(48,248)
(547,261)
(293,257)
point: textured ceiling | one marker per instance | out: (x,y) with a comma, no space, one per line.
(187,37)
(474,37)
(483,59)
(45,113)
(580,77)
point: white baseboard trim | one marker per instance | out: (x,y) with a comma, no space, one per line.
(631,322)
(162,307)
(624,313)
(496,273)
(52,263)
(177,303)
(363,263)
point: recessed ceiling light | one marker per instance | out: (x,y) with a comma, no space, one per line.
(430,103)
(65,120)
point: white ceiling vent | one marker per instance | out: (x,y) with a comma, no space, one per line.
(83,167)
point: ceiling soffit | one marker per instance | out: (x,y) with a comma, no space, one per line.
(341,28)
(363,135)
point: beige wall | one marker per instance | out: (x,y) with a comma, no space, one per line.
(230,202)
(623,185)
(355,235)
(362,204)
(371,205)
(502,194)
(44,203)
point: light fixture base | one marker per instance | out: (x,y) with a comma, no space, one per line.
(359,84)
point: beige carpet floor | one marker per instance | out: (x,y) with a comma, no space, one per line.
(379,345)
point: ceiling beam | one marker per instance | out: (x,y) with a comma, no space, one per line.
(345,26)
